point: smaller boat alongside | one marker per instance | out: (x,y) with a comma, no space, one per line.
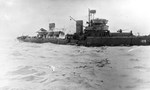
(44,36)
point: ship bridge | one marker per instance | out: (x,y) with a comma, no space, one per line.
(99,21)
(97,28)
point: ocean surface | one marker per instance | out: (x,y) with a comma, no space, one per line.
(31,66)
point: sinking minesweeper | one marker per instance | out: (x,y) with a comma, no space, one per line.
(95,34)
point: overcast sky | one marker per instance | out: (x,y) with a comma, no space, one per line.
(19,17)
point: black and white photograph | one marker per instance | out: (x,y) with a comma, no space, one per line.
(74,44)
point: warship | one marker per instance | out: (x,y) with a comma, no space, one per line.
(96,33)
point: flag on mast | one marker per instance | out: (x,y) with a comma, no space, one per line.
(93,11)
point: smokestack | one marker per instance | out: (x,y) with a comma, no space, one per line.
(79,26)
(51,26)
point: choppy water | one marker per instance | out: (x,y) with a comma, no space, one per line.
(30,66)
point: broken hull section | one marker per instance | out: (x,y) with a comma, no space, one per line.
(44,40)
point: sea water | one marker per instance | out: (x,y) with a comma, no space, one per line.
(32,66)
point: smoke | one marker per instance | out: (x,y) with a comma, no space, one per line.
(27,16)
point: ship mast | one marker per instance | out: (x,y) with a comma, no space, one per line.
(89,17)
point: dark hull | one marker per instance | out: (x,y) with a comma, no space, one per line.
(94,41)
(117,41)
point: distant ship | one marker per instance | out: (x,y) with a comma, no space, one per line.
(95,34)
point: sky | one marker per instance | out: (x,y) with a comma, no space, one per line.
(25,17)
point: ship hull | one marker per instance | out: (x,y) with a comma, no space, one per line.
(117,41)
(93,41)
